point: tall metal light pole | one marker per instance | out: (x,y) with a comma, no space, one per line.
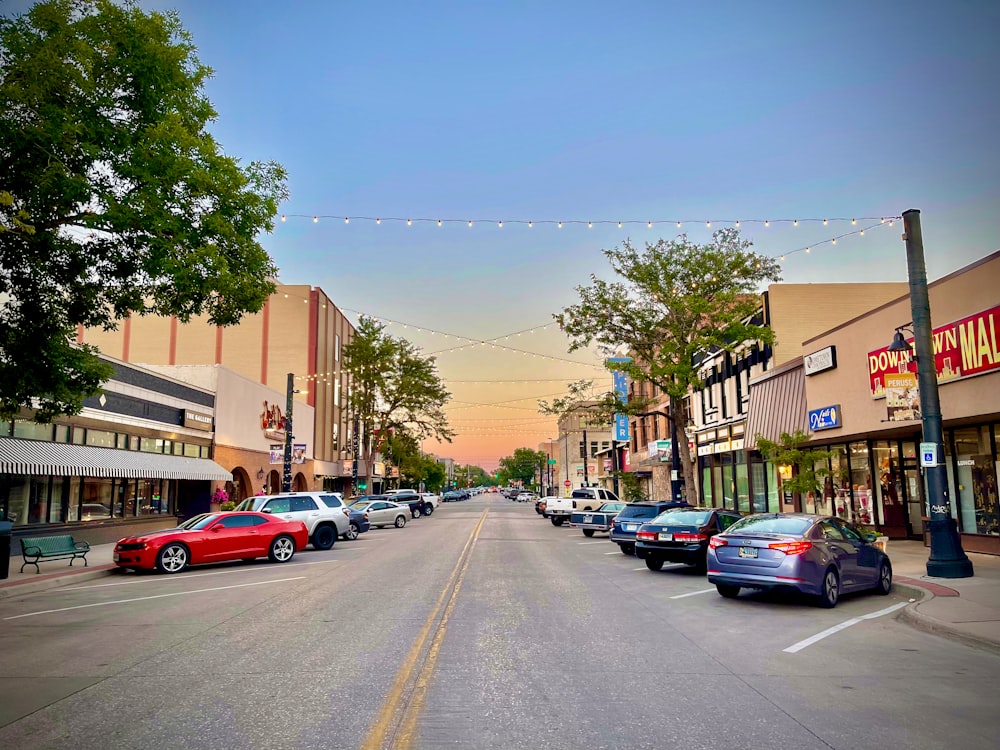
(286,475)
(947,558)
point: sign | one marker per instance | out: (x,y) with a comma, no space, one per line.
(963,349)
(568,483)
(197,420)
(929,454)
(277,454)
(659,449)
(619,380)
(824,418)
(824,359)
(272,422)
(722,447)
(552,462)
(902,396)
(298,453)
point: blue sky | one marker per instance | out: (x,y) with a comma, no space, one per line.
(596,111)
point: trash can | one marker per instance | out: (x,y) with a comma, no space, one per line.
(5,527)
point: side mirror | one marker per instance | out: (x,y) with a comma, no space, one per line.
(217,528)
(869,537)
(266,510)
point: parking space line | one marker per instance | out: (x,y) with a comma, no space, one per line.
(640,568)
(161,579)
(842,626)
(616,552)
(592,542)
(693,593)
(155,596)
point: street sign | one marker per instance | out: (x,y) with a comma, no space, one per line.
(552,462)
(568,483)
(929,454)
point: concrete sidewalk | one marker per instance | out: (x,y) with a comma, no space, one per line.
(965,609)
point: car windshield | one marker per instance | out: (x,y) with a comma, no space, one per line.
(198,522)
(638,511)
(246,504)
(794,525)
(683,517)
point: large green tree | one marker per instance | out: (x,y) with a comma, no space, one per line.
(521,466)
(393,389)
(673,301)
(114,197)
(414,466)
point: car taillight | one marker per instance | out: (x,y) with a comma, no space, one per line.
(688,536)
(717,541)
(651,535)
(791,548)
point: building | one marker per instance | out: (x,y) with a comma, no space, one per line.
(578,448)
(299,331)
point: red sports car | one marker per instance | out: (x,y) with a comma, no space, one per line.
(213,537)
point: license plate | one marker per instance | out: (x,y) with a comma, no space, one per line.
(114,557)
(631,526)
(748,552)
(666,537)
(588,519)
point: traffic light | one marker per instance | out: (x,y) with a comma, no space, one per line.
(362,485)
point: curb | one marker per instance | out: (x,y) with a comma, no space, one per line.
(912,616)
(46,582)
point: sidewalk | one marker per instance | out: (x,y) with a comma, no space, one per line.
(965,609)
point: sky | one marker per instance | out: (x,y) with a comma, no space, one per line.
(593,112)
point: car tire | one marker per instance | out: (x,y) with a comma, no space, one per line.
(324,537)
(353,532)
(588,532)
(282,549)
(654,563)
(726,591)
(400,522)
(556,520)
(414,514)
(380,526)
(428,509)
(830,593)
(884,578)
(627,549)
(173,558)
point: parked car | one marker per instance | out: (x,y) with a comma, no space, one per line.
(540,505)
(451,496)
(634,515)
(596,520)
(213,537)
(432,501)
(822,556)
(324,513)
(411,499)
(526,497)
(681,535)
(381,513)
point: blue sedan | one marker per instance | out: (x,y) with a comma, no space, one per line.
(821,556)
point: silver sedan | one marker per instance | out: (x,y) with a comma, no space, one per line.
(382,513)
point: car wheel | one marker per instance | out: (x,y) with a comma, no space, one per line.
(352,533)
(627,549)
(831,589)
(282,549)
(654,563)
(172,559)
(588,532)
(400,522)
(428,510)
(414,514)
(556,520)
(884,578)
(726,591)
(324,538)
(380,526)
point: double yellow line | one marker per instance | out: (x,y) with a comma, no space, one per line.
(397,720)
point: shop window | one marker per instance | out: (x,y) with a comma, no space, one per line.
(56,500)
(96,499)
(101,438)
(29,430)
(73,504)
(976,481)
(742,482)
(121,441)
(178,448)
(79,435)
(61,433)
(149,499)
(706,482)
(151,445)
(192,450)
(759,483)
(889,488)
(125,504)
(17,488)
(773,491)
(856,508)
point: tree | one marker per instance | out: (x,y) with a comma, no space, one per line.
(114,198)
(414,466)
(393,389)
(676,300)
(521,466)
(789,451)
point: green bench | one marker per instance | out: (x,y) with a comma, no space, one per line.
(35,548)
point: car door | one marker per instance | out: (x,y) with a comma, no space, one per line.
(867,556)
(842,550)
(229,538)
(378,513)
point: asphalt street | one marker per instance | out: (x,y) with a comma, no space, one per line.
(483,626)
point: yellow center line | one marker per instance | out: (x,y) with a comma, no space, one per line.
(381,728)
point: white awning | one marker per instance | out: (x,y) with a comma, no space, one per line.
(64,459)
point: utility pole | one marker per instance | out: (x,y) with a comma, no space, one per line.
(286,476)
(586,455)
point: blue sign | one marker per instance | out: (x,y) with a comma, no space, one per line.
(620,381)
(824,419)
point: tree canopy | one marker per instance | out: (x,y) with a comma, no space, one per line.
(394,389)
(675,300)
(521,466)
(414,466)
(114,197)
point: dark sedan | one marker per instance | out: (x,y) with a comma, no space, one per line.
(634,515)
(681,535)
(818,555)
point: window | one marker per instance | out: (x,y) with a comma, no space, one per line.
(32,431)
(62,433)
(150,445)
(332,501)
(78,435)
(101,438)
(121,441)
(236,522)
(977,481)
(726,520)
(278,505)
(849,532)
(192,450)
(303,504)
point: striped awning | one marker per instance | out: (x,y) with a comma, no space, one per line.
(777,404)
(63,459)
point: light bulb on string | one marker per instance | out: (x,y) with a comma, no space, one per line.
(767,223)
(795,222)
(560,225)
(284,218)
(708,224)
(737,223)
(590,225)
(862,232)
(833,241)
(531,224)
(470,222)
(890,222)
(807,249)
(619,225)
(500,224)
(824,222)
(378,221)
(649,225)
(409,222)
(439,222)
(315,220)
(678,225)
(347,219)
(853,222)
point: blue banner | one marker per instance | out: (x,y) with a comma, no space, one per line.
(620,383)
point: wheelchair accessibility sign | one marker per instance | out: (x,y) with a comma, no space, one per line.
(929,454)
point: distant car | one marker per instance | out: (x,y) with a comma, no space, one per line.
(822,556)
(213,537)
(634,515)
(381,513)
(451,496)
(526,497)
(681,535)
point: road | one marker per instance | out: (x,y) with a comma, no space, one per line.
(480,627)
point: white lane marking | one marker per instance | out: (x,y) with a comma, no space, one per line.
(639,568)
(164,579)
(155,596)
(616,552)
(591,542)
(693,593)
(837,628)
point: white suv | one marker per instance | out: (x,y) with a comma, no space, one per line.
(324,513)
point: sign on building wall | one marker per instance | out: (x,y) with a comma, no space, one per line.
(824,418)
(824,359)
(963,349)
(902,396)
(197,420)
(659,449)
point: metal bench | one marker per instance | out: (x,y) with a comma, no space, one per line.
(38,548)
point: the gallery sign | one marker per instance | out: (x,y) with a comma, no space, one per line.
(963,349)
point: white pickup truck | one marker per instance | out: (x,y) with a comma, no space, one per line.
(559,509)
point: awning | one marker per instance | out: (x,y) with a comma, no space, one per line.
(777,404)
(64,459)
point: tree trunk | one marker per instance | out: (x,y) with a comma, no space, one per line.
(681,418)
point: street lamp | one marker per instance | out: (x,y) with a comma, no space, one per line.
(286,475)
(549,490)
(947,558)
